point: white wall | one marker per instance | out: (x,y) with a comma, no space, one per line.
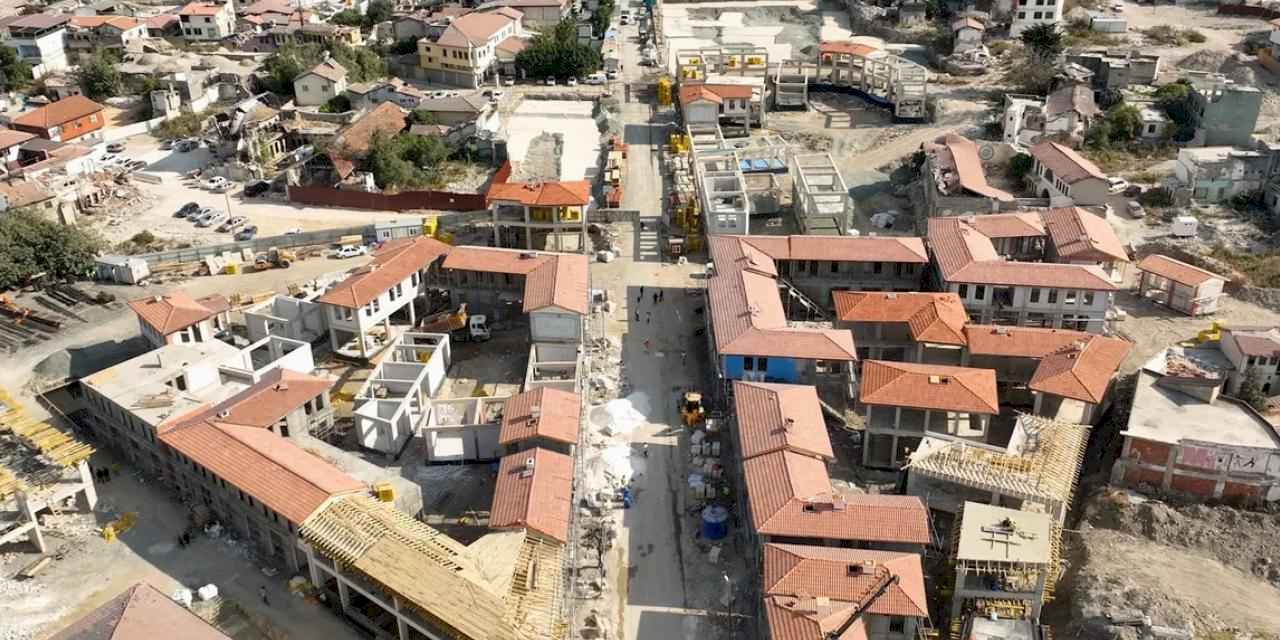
(555,326)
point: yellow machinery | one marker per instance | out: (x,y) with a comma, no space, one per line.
(119,526)
(664,91)
(274,259)
(691,410)
(384,491)
(1212,334)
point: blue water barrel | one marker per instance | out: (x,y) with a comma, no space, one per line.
(715,522)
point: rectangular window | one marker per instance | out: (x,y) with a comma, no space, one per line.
(1053,296)
(835,267)
(980,292)
(1022,15)
(748,363)
(964,291)
(1088,298)
(1035,295)
(897,624)
(762,364)
(877,267)
(1070,297)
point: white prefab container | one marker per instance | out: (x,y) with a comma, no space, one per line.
(1184,226)
(1109,24)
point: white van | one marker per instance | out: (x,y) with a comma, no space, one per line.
(596,78)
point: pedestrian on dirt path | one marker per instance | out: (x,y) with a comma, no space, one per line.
(641,291)
(646,346)
(662,295)
(637,315)
(655,298)
(648,315)
(262,592)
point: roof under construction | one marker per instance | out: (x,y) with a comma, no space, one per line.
(505,586)
(1042,461)
(43,454)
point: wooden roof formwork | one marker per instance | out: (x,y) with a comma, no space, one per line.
(1047,471)
(439,577)
(43,453)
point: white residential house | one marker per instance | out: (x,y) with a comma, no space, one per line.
(207,20)
(708,104)
(1155,124)
(320,84)
(40,40)
(1253,350)
(1215,174)
(1066,113)
(1028,13)
(967,34)
(178,318)
(1066,177)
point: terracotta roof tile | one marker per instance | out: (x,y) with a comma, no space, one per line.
(176,311)
(1072,97)
(514,44)
(542,194)
(1259,341)
(551,279)
(929,386)
(1080,235)
(807,571)
(10,137)
(1065,163)
(122,23)
(272,469)
(968,22)
(962,157)
(386,118)
(937,318)
(161,21)
(847,48)
(1081,370)
(1008,225)
(329,70)
(59,113)
(840,248)
(473,29)
(776,417)
(559,416)
(201,9)
(791,495)
(276,395)
(140,612)
(692,92)
(389,267)
(746,311)
(1177,270)
(535,497)
(1019,342)
(965,255)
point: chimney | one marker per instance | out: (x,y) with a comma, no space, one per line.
(282,386)
(224,414)
(938,379)
(157,298)
(790,422)
(535,411)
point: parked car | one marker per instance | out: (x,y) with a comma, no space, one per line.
(247,233)
(573,82)
(115,147)
(232,224)
(1135,209)
(185,145)
(293,231)
(166,145)
(215,182)
(350,251)
(1132,191)
(612,75)
(494,94)
(255,189)
(135,165)
(109,158)
(1116,185)
(211,219)
(187,209)
(510,82)
(596,78)
(204,212)
(550,82)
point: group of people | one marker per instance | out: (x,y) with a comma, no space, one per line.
(658,296)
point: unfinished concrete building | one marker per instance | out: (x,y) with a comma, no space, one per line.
(791,80)
(463,430)
(820,196)
(42,469)
(881,77)
(722,191)
(556,210)
(1006,562)
(394,401)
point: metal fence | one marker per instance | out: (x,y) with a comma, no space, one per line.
(194,254)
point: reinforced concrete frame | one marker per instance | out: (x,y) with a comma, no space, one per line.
(791,80)
(727,59)
(820,195)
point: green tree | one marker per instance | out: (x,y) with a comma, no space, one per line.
(602,17)
(1178,101)
(406,161)
(1020,165)
(556,53)
(31,244)
(336,104)
(14,73)
(380,11)
(1044,41)
(422,116)
(98,77)
(1124,122)
(1251,391)
(348,18)
(402,47)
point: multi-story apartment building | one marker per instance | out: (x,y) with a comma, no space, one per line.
(998,291)
(40,40)
(555,208)
(1029,13)
(207,20)
(465,53)
(903,327)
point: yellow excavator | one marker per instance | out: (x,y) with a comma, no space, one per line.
(691,410)
(274,258)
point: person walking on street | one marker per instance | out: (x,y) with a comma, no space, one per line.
(262,592)
(646,346)
(684,355)
(662,295)
(655,297)
(648,315)
(637,315)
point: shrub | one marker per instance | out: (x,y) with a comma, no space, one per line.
(143,238)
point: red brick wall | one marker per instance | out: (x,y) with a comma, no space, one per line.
(1195,486)
(1136,477)
(1235,489)
(440,200)
(1148,451)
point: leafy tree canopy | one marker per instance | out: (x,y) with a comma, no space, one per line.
(15,73)
(31,244)
(557,53)
(1044,40)
(406,161)
(292,60)
(98,77)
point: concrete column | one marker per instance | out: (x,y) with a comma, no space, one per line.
(413,313)
(87,497)
(313,570)
(333,339)
(957,599)
(1039,399)
(35,537)
(497,229)
(344,593)
(1037,602)
(866,435)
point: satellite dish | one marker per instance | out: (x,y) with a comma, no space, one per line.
(986,152)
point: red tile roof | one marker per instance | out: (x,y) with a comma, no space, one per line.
(274,470)
(551,279)
(141,612)
(791,495)
(929,386)
(808,571)
(1080,235)
(387,118)
(59,113)
(693,92)
(513,45)
(937,318)
(276,395)
(473,29)
(747,315)
(161,21)
(964,255)
(968,22)
(847,48)
(962,157)
(1019,342)
(122,23)
(839,248)
(576,193)
(776,417)
(176,311)
(201,9)
(535,497)
(390,267)
(559,416)
(1008,225)
(1254,341)
(716,93)
(1065,163)
(1081,370)
(10,138)
(1177,270)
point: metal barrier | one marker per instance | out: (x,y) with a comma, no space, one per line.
(194,254)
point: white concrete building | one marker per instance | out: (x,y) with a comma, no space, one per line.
(1028,13)
(207,20)
(177,318)
(39,39)
(1253,350)
(319,84)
